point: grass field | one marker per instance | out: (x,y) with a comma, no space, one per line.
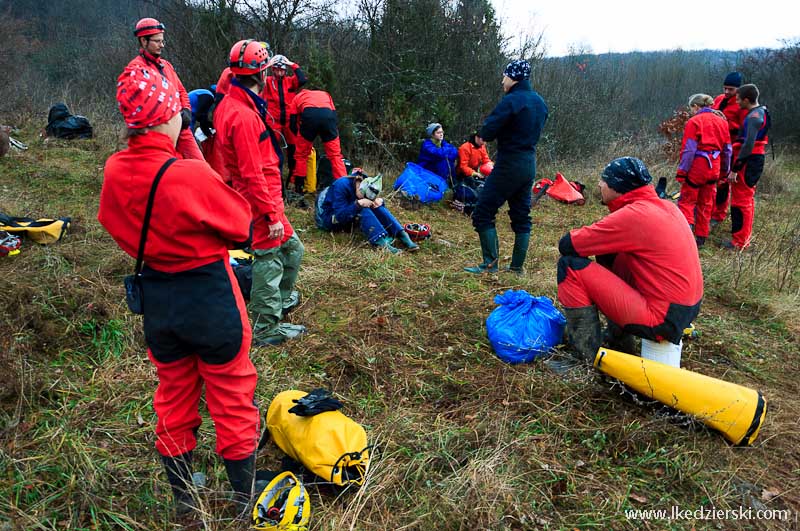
(465,441)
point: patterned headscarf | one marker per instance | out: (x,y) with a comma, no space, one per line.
(518,70)
(625,174)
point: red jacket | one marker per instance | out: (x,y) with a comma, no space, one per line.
(279,93)
(471,158)
(167,70)
(251,162)
(658,243)
(224,81)
(318,99)
(733,113)
(706,148)
(195,219)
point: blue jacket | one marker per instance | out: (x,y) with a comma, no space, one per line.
(439,160)
(339,204)
(517,121)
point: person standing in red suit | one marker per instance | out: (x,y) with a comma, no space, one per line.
(705,155)
(726,104)
(150,34)
(646,278)
(313,114)
(251,159)
(195,321)
(279,91)
(751,145)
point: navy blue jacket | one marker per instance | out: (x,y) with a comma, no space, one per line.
(439,160)
(339,204)
(517,121)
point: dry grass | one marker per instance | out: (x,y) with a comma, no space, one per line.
(466,442)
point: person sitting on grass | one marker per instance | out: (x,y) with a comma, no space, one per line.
(354,199)
(438,155)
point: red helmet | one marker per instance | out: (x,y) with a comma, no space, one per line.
(486,168)
(148,26)
(418,231)
(248,57)
(145,97)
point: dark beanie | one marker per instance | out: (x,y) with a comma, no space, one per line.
(518,70)
(625,174)
(734,79)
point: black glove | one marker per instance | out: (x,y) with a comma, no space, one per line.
(661,187)
(186,118)
(737,166)
(315,402)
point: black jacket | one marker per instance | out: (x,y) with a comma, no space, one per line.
(517,121)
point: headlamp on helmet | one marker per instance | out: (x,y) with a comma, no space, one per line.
(370,186)
(282,505)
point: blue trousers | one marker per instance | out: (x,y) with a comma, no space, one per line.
(375,223)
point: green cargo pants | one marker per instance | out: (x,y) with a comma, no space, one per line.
(274,275)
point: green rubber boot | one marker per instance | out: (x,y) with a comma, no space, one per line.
(386,243)
(490,251)
(521,241)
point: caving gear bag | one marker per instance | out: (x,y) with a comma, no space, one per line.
(329,444)
(283,505)
(465,195)
(134,292)
(417,183)
(524,327)
(734,410)
(63,124)
(44,230)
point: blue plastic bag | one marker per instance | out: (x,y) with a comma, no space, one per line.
(524,327)
(418,183)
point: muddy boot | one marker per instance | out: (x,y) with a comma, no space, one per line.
(490,251)
(290,303)
(280,334)
(583,331)
(407,241)
(521,242)
(618,340)
(181,479)
(241,474)
(386,244)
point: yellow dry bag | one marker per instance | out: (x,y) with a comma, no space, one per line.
(330,444)
(736,411)
(42,231)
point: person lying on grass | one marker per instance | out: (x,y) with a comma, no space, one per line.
(354,200)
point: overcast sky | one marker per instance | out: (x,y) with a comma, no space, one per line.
(645,25)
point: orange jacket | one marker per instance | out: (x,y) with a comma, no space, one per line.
(279,92)
(471,158)
(311,98)
(251,161)
(733,113)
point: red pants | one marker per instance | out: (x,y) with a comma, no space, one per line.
(696,204)
(187,145)
(609,291)
(316,122)
(195,338)
(743,206)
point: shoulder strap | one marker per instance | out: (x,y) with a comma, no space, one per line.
(147,212)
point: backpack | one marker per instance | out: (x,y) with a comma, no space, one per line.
(62,124)
(465,195)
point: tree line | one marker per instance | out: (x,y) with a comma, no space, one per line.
(392,66)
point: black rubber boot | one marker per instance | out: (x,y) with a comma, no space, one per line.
(179,475)
(583,331)
(619,340)
(490,251)
(299,185)
(521,241)
(241,474)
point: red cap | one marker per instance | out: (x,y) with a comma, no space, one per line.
(146,98)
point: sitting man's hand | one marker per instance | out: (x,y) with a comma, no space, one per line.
(364,203)
(377,202)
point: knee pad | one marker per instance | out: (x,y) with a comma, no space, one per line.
(576,263)
(737,219)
